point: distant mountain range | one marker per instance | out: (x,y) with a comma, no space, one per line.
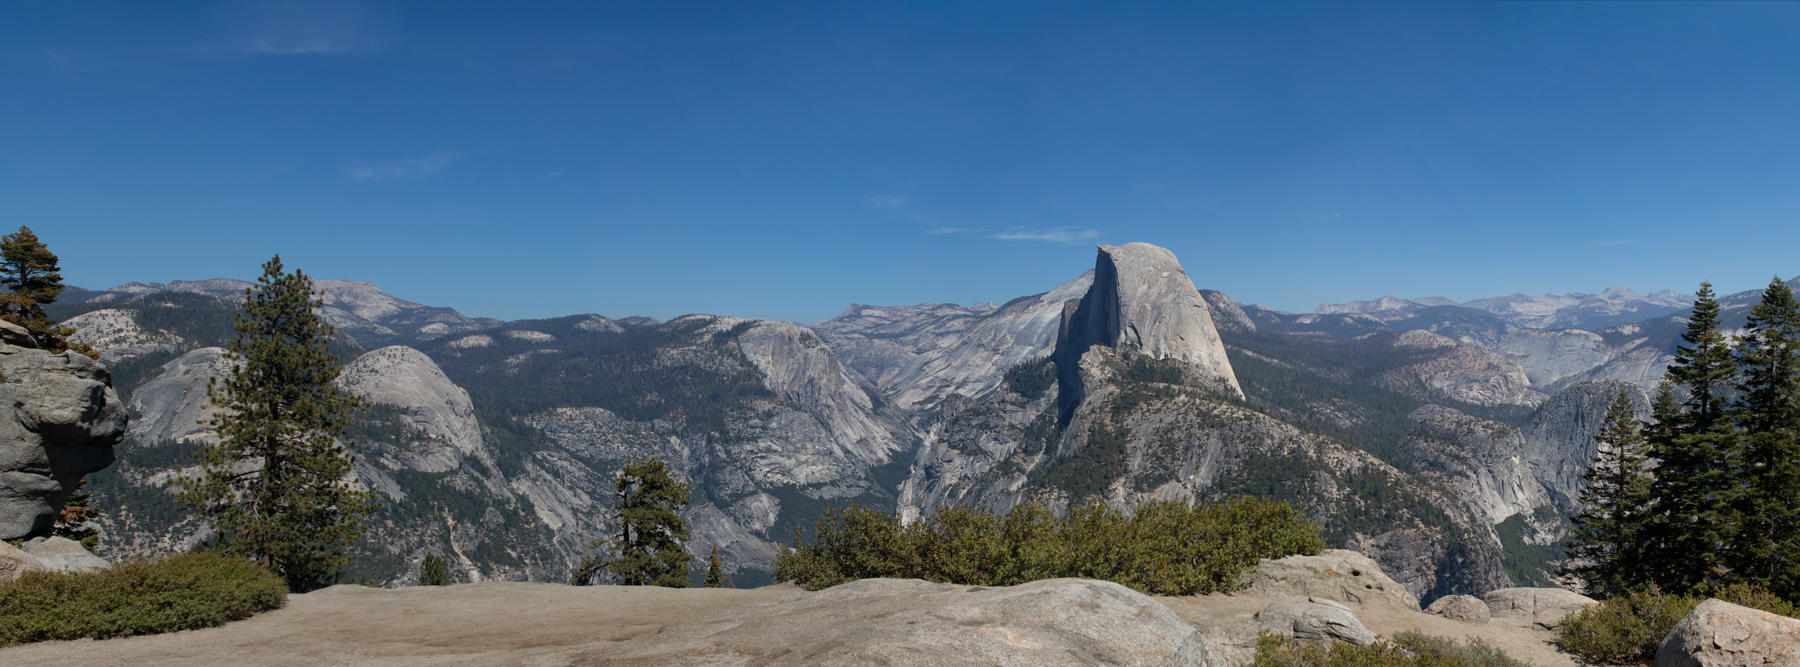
(1447,440)
(1617,305)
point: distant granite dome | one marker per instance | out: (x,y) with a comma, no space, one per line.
(1142,298)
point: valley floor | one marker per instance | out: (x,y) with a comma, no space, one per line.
(548,624)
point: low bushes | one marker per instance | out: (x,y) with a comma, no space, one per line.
(1165,548)
(179,592)
(1407,649)
(1627,629)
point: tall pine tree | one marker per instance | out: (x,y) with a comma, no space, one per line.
(1695,487)
(1605,538)
(1767,551)
(648,547)
(277,486)
(31,275)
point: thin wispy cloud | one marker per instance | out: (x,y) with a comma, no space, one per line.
(59,60)
(1054,235)
(887,201)
(407,168)
(549,175)
(247,29)
(1051,235)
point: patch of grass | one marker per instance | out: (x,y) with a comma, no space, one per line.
(1627,629)
(1407,649)
(179,592)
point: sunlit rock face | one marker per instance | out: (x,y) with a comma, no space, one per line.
(59,420)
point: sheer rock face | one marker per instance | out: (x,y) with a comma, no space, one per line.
(1560,436)
(59,419)
(802,370)
(172,406)
(429,403)
(1498,471)
(1141,298)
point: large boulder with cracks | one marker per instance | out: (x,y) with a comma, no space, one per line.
(59,420)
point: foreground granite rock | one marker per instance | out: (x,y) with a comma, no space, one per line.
(912,622)
(1545,607)
(1314,619)
(59,419)
(14,563)
(1717,633)
(1337,574)
(1465,608)
(62,554)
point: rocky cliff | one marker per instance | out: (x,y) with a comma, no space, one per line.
(59,419)
(1141,298)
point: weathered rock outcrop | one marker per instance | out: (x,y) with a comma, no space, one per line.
(1337,574)
(61,554)
(1314,619)
(14,563)
(1545,607)
(1720,634)
(1465,608)
(1142,299)
(912,622)
(59,419)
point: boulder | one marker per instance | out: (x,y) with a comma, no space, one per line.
(1315,620)
(912,622)
(1465,608)
(59,419)
(64,555)
(13,334)
(14,563)
(1545,607)
(1718,633)
(1337,574)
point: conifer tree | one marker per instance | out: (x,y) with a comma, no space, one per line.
(715,573)
(277,486)
(32,276)
(432,572)
(1694,486)
(647,549)
(1767,551)
(1606,535)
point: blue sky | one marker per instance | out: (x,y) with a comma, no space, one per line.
(538,159)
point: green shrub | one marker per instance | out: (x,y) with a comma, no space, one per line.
(1165,548)
(432,572)
(1408,649)
(179,592)
(1627,629)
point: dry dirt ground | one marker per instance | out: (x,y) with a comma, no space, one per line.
(505,623)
